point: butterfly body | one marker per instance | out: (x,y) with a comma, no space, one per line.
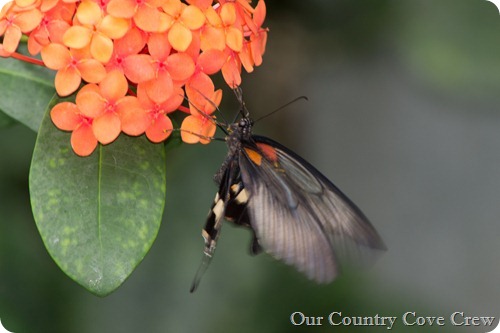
(293,211)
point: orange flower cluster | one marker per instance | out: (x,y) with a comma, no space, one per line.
(163,49)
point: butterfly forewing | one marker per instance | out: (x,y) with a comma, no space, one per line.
(296,212)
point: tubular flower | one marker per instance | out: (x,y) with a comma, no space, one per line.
(131,62)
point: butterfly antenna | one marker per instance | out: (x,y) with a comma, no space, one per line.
(213,104)
(210,138)
(205,262)
(282,107)
(243,109)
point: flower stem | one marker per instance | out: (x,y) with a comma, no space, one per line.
(22,57)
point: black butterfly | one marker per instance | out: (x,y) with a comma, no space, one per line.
(294,212)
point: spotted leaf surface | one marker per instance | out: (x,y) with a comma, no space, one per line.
(99,215)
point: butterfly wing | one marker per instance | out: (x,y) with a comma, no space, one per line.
(296,212)
(230,203)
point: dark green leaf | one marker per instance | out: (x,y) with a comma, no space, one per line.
(5,120)
(99,215)
(26,91)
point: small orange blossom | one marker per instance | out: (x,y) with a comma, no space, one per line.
(137,59)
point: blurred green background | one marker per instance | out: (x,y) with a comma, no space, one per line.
(403,115)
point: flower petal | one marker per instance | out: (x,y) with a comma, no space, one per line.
(83,140)
(174,101)
(134,120)
(258,47)
(192,17)
(55,56)
(260,13)
(139,68)
(88,12)
(196,129)
(114,86)
(160,129)
(231,72)
(65,116)
(122,8)
(199,89)
(90,102)
(158,46)
(101,47)
(159,89)
(106,127)
(77,37)
(202,4)
(11,39)
(29,20)
(179,37)
(246,58)
(189,128)
(211,61)
(172,7)
(180,66)
(213,38)
(91,70)
(208,130)
(228,13)
(234,39)
(148,18)
(113,27)
(67,81)
(131,43)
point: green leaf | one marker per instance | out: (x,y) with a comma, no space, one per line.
(99,215)
(26,91)
(5,120)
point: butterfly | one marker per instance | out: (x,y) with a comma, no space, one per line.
(294,212)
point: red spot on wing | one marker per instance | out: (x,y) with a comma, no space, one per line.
(268,151)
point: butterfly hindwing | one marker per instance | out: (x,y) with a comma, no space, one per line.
(230,203)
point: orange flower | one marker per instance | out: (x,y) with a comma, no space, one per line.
(145,13)
(159,126)
(71,66)
(95,29)
(158,47)
(199,126)
(15,21)
(183,19)
(53,25)
(104,103)
(234,35)
(202,4)
(212,33)
(126,58)
(170,68)
(252,52)
(231,71)
(223,29)
(68,117)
